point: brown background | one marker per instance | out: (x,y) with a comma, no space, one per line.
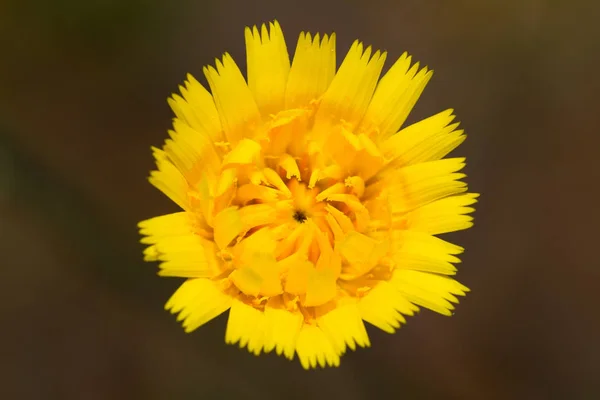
(82,97)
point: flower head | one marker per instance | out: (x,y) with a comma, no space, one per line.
(307,209)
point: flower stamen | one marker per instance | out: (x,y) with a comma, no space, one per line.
(300,216)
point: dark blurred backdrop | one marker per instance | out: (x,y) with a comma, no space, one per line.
(83,88)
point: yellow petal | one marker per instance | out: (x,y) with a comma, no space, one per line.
(177,224)
(204,201)
(338,233)
(344,326)
(361,214)
(247,280)
(370,160)
(245,152)
(285,132)
(397,144)
(255,176)
(186,256)
(442,216)
(328,259)
(246,325)
(275,180)
(313,69)
(357,184)
(297,277)
(432,291)
(192,153)
(257,214)
(271,285)
(427,140)
(261,241)
(290,166)
(169,180)
(228,225)
(420,184)
(287,244)
(306,240)
(350,91)
(315,176)
(257,270)
(197,109)
(394,98)
(237,109)
(361,252)
(344,222)
(383,307)
(422,262)
(250,191)
(227,179)
(284,327)
(268,66)
(321,287)
(259,274)
(198,301)
(225,191)
(422,252)
(342,145)
(314,348)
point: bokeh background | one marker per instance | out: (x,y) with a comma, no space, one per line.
(83,88)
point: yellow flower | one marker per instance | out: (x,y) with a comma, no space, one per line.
(306,209)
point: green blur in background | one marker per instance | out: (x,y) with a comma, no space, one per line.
(83,88)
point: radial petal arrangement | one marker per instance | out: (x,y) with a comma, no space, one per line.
(307,208)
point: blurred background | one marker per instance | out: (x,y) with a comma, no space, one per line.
(83,88)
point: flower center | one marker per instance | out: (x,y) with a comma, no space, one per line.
(300,222)
(300,216)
